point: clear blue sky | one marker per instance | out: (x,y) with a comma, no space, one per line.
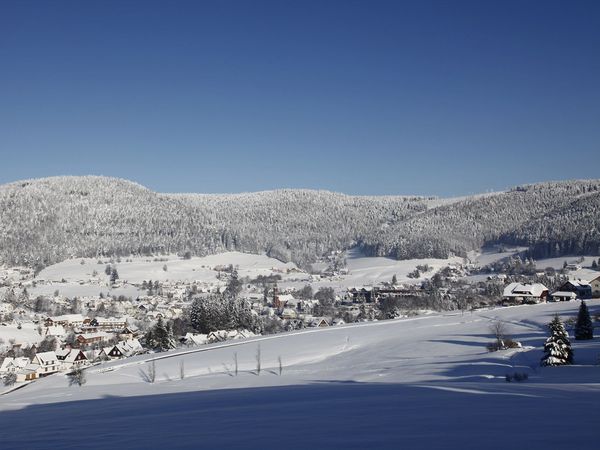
(364,97)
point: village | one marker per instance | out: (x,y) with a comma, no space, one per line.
(43,334)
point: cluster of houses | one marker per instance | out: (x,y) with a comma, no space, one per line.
(535,293)
(95,339)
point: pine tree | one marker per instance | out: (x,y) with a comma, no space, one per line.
(160,336)
(114,275)
(584,329)
(557,349)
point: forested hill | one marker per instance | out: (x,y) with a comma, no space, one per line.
(48,220)
(552,219)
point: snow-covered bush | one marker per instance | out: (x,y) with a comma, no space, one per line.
(557,349)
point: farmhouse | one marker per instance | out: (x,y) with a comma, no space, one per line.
(582,289)
(595,284)
(525,293)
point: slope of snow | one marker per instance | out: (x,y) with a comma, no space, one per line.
(71,278)
(424,382)
(27,334)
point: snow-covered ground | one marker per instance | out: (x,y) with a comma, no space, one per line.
(71,278)
(483,258)
(557,263)
(424,382)
(26,333)
(138,269)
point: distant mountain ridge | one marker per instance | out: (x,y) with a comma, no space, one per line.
(44,221)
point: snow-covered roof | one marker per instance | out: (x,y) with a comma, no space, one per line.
(100,335)
(68,318)
(524,290)
(564,294)
(46,357)
(55,330)
(73,354)
(14,362)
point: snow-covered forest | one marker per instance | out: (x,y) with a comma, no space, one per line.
(45,221)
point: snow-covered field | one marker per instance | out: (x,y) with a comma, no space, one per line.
(483,258)
(26,334)
(425,382)
(71,278)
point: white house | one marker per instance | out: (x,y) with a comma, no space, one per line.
(525,293)
(13,365)
(48,363)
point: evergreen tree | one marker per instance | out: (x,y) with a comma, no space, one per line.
(234,287)
(216,312)
(584,329)
(557,349)
(114,275)
(394,280)
(160,336)
(594,265)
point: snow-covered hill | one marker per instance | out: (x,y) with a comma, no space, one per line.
(48,220)
(425,382)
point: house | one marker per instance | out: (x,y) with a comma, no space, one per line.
(110,324)
(582,288)
(217,336)
(595,284)
(47,363)
(108,353)
(129,332)
(13,365)
(563,296)
(319,322)
(93,338)
(71,358)
(286,300)
(525,293)
(55,330)
(67,320)
(28,373)
(195,339)
(360,295)
(122,349)
(239,334)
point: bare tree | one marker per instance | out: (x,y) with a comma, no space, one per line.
(9,379)
(149,375)
(181,370)
(280,365)
(235,363)
(77,377)
(498,330)
(258,360)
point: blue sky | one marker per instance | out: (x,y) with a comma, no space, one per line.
(363,97)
